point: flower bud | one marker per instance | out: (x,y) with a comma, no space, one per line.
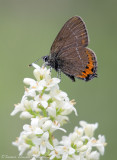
(47,125)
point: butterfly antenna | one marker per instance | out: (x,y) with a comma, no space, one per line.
(35,62)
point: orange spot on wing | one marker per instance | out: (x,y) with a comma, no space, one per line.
(85,74)
(82,76)
(88,71)
(89,67)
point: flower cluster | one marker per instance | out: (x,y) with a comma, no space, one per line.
(48,108)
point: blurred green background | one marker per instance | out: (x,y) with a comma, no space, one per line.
(27,30)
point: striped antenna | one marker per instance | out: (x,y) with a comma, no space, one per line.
(35,62)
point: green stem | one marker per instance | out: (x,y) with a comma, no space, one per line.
(50,138)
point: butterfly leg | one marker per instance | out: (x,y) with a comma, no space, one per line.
(50,69)
(59,74)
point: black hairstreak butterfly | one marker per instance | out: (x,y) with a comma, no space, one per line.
(69,52)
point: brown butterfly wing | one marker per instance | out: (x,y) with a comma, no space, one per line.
(83,66)
(74,59)
(74,30)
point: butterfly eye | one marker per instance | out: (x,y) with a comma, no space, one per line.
(45,58)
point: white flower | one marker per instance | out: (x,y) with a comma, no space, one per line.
(34,86)
(48,108)
(79,131)
(62,151)
(58,94)
(25,115)
(101,144)
(47,125)
(25,106)
(21,144)
(19,107)
(55,142)
(66,149)
(42,100)
(38,121)
(35,152)
(55,126)
(32,129)
(55,153)
(30,105)
(89,128)
(62,119)
(51,83)
(52,109)
(94,155)
(83,148)
(43,143)
(53,112)
(44,74)
(41,73)
(73,137)
(68,108)
(29,81)
(35,127)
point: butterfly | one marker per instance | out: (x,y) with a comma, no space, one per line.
(69,53)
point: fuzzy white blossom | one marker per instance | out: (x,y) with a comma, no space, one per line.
(48,108)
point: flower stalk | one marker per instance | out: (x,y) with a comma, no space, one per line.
(48,108)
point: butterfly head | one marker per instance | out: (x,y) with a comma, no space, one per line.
(46,60)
